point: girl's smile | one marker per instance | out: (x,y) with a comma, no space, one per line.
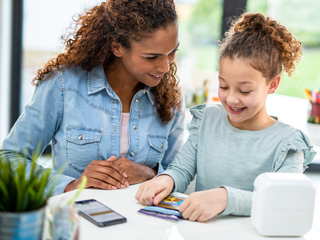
(236,110)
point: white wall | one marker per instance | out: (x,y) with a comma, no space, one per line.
(5,46)
(42,27)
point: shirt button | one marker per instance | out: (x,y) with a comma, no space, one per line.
(134,127)
(80,137)
(144,92)
(132,154)
(161,145)
(137,100)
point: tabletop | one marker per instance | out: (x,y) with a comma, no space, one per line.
(139,226)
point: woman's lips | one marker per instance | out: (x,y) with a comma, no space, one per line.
(156,77)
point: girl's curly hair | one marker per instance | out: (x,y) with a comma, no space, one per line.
(267,45)
(89,45)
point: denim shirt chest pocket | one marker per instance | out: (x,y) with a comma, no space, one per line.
(157,147)
(82,146)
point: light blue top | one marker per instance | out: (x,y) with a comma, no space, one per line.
(80,114)
(222,155)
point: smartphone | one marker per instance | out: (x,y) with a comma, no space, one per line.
(99,214)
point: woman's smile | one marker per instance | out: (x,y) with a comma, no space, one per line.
(156,77)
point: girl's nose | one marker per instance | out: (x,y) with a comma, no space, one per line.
(232,98)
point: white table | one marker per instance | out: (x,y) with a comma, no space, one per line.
(141,227)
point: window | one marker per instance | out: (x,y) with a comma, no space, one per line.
(200,24)
(199,30)
(44,24)
(5,33)
(302,18)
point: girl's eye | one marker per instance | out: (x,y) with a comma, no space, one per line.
(243,92)
(223,88)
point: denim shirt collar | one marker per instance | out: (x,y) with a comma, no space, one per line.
(97,81)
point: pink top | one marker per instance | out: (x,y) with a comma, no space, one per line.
(124,134)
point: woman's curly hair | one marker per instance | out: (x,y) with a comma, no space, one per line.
(121,21)
(267,45)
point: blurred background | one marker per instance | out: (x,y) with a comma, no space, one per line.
(31,30)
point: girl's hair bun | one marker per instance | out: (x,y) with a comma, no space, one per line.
(264,40)
(253,22)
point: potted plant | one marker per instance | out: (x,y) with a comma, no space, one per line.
(23,196)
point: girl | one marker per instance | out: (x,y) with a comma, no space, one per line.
(230,145)
(112,95)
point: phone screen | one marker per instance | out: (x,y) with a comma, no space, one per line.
(98,213)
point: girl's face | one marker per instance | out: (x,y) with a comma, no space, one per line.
(149,59)
(243,92)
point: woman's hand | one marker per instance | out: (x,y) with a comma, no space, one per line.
(153,191)
(203,205)
(102,175)
(136,172)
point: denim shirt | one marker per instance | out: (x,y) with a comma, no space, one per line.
(79,113)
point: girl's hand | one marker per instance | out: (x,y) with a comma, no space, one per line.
(136,172)
(153,191)
(102,175)
(203,205)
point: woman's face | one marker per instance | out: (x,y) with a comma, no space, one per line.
(243,91)
(149,59)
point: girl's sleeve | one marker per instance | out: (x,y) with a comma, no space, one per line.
(295,154)
(296,142)
(183,168)
(239,201)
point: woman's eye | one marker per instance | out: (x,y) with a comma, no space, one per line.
(151,58)
(174,51)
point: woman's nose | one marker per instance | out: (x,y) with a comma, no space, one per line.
(164,65)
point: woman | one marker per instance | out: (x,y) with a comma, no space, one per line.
(110,104)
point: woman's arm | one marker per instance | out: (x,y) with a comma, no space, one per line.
(38,124)
(135,172)
(175,140)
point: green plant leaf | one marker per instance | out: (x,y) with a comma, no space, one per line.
(82,186)
(2,208)
(39,195)
(4,191)
(23,185)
